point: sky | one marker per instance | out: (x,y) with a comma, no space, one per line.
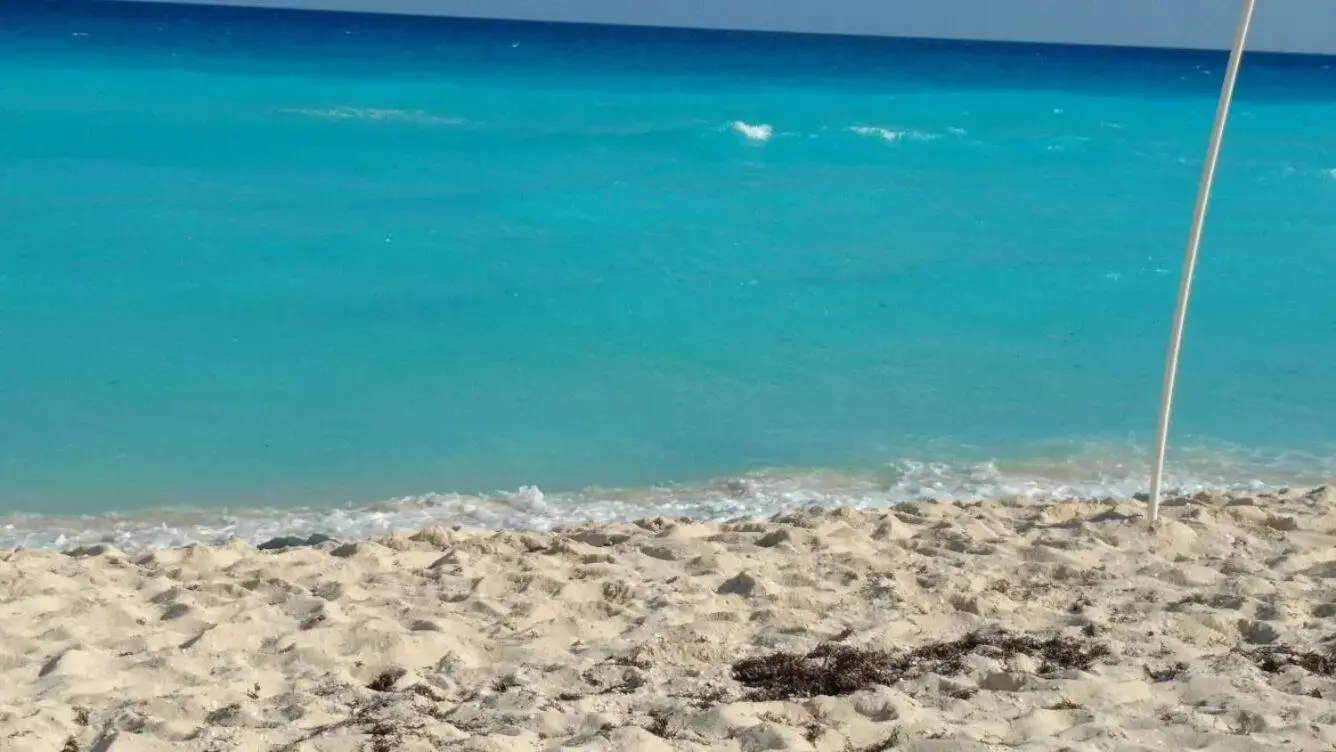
(1280,25)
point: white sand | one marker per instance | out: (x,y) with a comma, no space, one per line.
(622,637)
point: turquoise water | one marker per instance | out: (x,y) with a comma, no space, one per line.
(292,264)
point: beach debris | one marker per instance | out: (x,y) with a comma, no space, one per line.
(742,583)
(294,541)
(1257,632)
(1322,495)
(96,549)
(385,680)
(891,741)
(1165,674)
(600,538)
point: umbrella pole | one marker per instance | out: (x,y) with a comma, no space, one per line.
(1190,262)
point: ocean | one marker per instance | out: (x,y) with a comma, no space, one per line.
(271,272)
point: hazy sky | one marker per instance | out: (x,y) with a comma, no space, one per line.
(1287,25)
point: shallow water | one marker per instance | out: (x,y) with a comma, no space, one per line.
(298,261)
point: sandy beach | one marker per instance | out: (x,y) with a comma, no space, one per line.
(928,626)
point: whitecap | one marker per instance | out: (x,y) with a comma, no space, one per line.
(887,134)
(761,132)
(375,113)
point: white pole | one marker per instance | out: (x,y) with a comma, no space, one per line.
(1194,243)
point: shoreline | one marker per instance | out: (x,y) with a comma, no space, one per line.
(526,510)
(1085,472)
(981,625)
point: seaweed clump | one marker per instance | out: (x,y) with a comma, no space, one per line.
(836,669)
(1277,658)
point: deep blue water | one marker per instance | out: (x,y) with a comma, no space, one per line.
(263,259)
